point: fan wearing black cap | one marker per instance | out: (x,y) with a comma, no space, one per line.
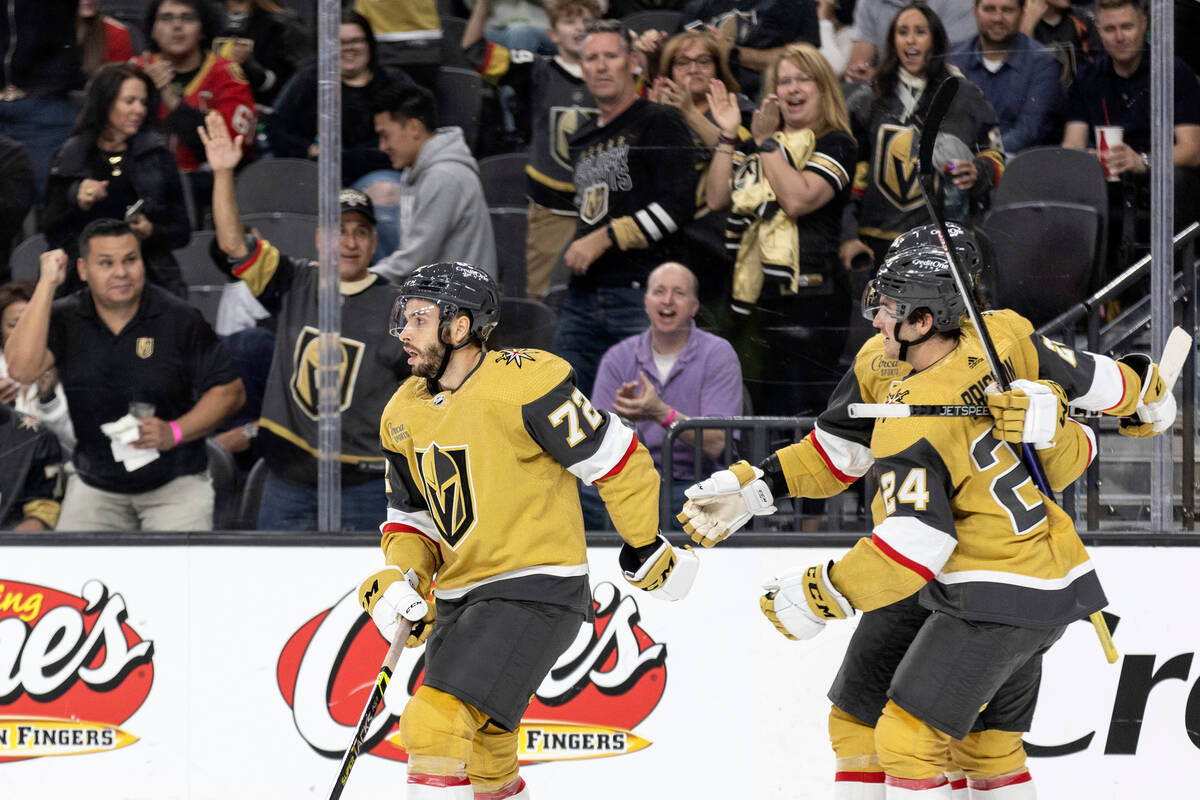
(374,363)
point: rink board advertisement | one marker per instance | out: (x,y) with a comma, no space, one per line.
(240,672)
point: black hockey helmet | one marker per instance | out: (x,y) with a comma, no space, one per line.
(455,287)
(916,274)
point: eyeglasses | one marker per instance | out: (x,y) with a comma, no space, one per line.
(683,62)
(358,41)
(184,18)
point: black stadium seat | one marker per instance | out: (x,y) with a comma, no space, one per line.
(503,179)
(287,185)
(509,226)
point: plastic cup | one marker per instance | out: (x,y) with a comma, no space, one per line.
(1108,137)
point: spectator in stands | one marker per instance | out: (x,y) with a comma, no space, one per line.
(449,219)
(192,80)
(1018,76)
(634,177)
(261,37)
(1070,35)
(115,166)
(29,480)
(836,21)
(375,362)
(521,25)
(409,35)
(559,103)
(104,40)
(751,32)
(786,201)
(1115,90)
(119,342)
(888,199)
(292,128)
(43,399)
(16,197)
(668,373)
(40,63)
(872,25)
(690,61)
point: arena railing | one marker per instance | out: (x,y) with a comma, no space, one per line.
(1114,335)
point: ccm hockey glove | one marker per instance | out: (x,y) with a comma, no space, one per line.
(799,603)
(390,594)
(1156,407)
(659,569)
(1030,411)
(724,502)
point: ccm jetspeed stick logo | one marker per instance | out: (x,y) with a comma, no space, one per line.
(608,681)
(71,671)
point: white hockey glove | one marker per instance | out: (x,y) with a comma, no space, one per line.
(1156,407)
(390,594)
(659,569)
(799,603)
(724,502)
(1030,411)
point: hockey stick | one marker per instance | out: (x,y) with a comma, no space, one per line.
(1170,364)
(933,121)
(374,703)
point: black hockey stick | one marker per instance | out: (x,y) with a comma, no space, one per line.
(942,99)
(374,703)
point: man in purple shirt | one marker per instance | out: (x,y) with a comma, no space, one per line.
(668,373)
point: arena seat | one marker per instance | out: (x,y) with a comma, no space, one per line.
(655,19)
(509,226)
(223,471)
(503,179)
(460,95)
(25,261)
(195,261)
(1045,255)
(525,323)
(294,234)
(288,185)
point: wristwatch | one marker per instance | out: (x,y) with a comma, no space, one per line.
(250,430)
(768,146)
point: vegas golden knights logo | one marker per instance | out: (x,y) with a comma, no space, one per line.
(304,370)
(564,121)
(748,173)
(144,347)
(595,203)
(896,166)
(446,481)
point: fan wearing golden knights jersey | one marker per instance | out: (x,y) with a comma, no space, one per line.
(970,573)
(483,451)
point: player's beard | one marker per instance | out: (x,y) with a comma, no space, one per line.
(429,360)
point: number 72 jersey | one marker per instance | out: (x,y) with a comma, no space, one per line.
(486,475)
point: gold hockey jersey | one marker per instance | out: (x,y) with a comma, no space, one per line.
(957,512)
(481,480)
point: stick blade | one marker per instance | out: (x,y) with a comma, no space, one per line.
(1174,355)
(938,107)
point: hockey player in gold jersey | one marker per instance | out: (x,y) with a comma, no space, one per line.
(483,451)
(970,573)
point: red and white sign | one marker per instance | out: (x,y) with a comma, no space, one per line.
(261,660)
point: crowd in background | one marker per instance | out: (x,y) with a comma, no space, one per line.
(763,147)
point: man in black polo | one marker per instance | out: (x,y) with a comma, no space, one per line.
(1115,90)
(124,348)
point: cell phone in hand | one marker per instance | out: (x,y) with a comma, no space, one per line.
(134,210)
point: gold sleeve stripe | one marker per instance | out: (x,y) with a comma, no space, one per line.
(629,235)
(403,550)
(861,171)
(831,167)
(546,180)
(258,270)
(997,164)
(284,433)
(495,63)
(871,580)
(630,495)
(43,510)
(1131,392)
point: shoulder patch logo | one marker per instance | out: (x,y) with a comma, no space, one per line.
(973,361)
(515,357)
(445,474)
(144,347)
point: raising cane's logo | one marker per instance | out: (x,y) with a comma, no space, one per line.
(71,671)
(609,680)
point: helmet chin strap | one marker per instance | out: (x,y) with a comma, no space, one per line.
(433,383)
(905,345)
